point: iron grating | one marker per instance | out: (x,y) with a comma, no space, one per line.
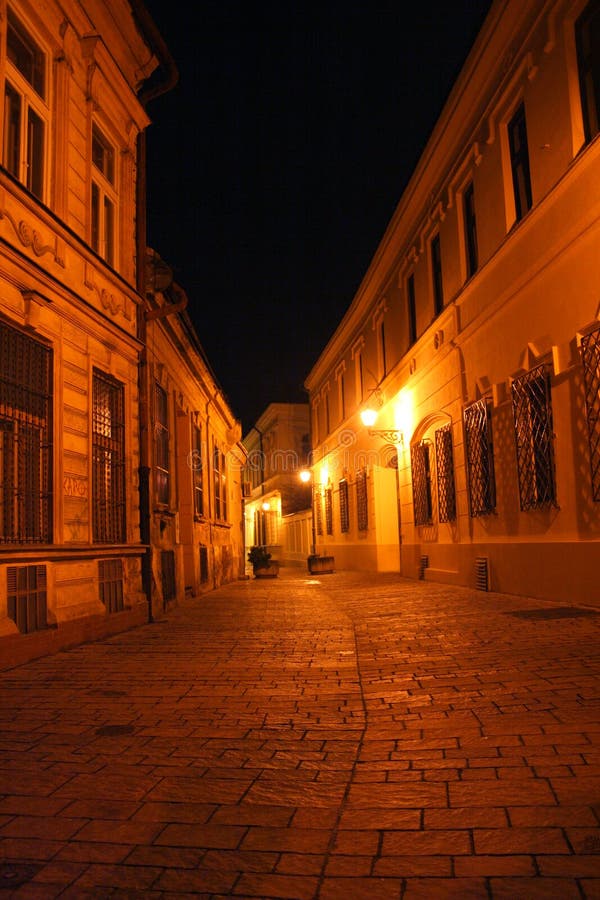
(557,612)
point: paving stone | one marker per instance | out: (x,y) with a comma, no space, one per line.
(363,736)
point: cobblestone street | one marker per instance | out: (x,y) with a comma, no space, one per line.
(349,736)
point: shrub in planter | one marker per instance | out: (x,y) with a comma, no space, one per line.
(262,564)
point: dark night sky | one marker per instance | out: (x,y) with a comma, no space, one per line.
(277,162)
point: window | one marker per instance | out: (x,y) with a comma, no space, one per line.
(358,370)
(590,358)
(480,458)
(110,576)
(318,512)
(436,271)
(220,482)
(327,415)
(412,309)
(25,108)
(341,394)
(161,445)
(421,478)
(26,597)
(519,162)
(362,511)
(381,349)
(315,421)
(167,571)
(25,439)
(587,32)
(445,474)
(532,415)
(344,507)
(470,230)
(108,459)
(103,197)
(329,510)
(197,483)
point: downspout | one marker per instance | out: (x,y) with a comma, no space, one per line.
(149,90)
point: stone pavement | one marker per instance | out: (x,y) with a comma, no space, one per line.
(349,736)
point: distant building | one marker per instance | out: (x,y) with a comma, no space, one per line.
(83,494)
(475,334)
(277,505)
(193,457)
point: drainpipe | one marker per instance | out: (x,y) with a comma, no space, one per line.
(150,89)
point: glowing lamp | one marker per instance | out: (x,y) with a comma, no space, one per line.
(368,416)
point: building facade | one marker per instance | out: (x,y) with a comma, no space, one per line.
(75,515)
(474,338)
(277,507)
(194,460)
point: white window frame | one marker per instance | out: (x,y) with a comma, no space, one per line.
(30,103)
(104,184)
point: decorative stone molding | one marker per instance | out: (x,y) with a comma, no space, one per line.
(34,302)
(29,236)
(110,302)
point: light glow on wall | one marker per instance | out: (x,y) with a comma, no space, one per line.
(404,416)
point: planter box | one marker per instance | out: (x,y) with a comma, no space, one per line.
(270,571)
(320,564)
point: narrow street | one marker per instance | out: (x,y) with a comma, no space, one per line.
(343,737)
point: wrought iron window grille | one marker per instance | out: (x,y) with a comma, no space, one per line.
(329,510)
(344,507)
(480,458)
(420,465)
(590,359)
(25,439)
(445,474)
(110,575)
(108,459)
(26,597)
(362,511)
(532,417)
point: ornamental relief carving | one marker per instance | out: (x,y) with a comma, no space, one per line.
(30,237)
(114,304)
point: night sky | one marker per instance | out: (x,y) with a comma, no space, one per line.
(276,164)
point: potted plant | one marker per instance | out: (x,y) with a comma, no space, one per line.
(262,564)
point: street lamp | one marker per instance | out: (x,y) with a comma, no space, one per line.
(369,416)
(305,476)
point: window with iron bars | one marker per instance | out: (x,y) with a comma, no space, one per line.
(220,483)
(329,510)
(344,507)
(587,31)
(26,597)
(110,576)
(479,458)
(420,465)
(318,512)
(362,510)
(108,459)
(25,439)
(161,444)
(590,359)
(445,474)
(532,416)
(197,473)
